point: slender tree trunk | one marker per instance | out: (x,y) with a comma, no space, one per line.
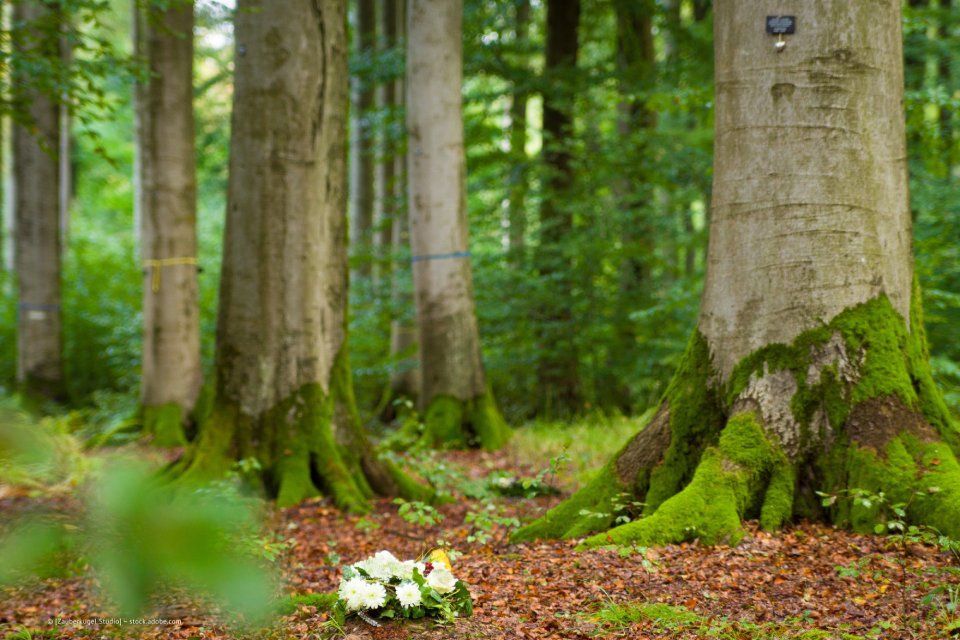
(557,369)
(362,167)
(36,213)
(385,175)
(517,195)
(5,218)
(405,381)
(809,370)
(945,62)
(167,193)
(65,155)
(459,407)
(284,391)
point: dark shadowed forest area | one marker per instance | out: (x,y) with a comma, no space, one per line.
(520,319)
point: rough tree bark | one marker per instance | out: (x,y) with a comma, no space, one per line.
(36,210)
(517,193)
(166,194)
(284,393)
(362,151)
(557,369)
(405,381)
(459,407)
(809,370)
(385,204)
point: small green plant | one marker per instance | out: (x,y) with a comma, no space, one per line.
(623,509)
(484,522)
(892,520)
(366,525)
(418,513)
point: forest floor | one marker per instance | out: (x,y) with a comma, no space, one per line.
(808,581)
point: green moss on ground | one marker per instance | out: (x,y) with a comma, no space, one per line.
(165,423)
(322,601)
(679,621)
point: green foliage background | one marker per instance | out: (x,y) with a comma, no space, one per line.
(627,343)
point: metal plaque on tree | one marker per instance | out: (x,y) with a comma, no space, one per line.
(779,25)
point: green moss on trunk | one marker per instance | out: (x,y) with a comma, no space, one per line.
(865,414)
(453,423)
(589,510)
(726,483)
(309,444)
(165,423)
(696,420)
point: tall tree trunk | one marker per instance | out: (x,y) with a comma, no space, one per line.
(385,174)
(557,369)
(362,166)
(809,370)
(166,194)
(284,390)
(517,195)
(36,211)
(65,169)
(405,380)
(460,409)
(945,77)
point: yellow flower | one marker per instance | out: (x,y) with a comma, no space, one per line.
(439,556)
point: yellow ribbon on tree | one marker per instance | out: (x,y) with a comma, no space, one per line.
(157,266)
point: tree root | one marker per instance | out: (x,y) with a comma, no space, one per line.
(456,424)
(165,423)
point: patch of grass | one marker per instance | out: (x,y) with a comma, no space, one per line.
(680,622)
(589,442)
(39,453)
(322,601)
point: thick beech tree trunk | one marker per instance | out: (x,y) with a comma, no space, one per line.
(36,211)
(284,393)
(362,165)
(557,369)
(809,370)
(167,190)
(460,409)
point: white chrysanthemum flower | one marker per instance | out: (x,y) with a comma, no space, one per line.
(405,569)
(374,596)
(382,566)
(441,579)
(352,592)
(408,593)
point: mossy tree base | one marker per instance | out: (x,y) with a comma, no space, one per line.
(457,424)
(308,445)
(849,405)
(165,424)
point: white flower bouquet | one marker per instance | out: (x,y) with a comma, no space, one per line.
(383,586)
